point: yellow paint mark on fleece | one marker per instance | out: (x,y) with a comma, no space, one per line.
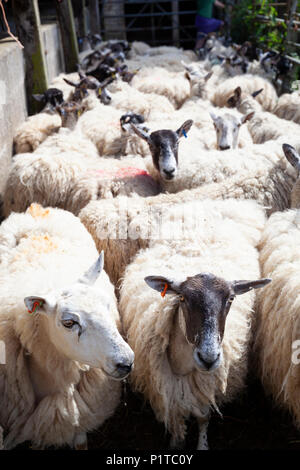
(33,245)
(42,243)
(36,210)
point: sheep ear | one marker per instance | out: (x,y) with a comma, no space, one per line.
(238,92)
(69,82)
(161,284)
(94,272)
(292,155)
(141,133)
(35,304)
(184,65)
(81,74)
(207,77)
(247,117)
(184,128)
(241,287)
(256,93)
(187,75)
(213,116)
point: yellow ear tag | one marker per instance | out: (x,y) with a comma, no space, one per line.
(113,75)
(99,91)
(78,113)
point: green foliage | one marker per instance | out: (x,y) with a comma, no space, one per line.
(246,26)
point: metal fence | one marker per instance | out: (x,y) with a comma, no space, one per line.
(155,22)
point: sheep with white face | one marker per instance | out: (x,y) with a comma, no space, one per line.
(65,356)
(227,128)
(80,325)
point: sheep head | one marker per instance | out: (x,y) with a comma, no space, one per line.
(235,100)
(80,325)
(204,301)
(51,97)
(69,112)
(227,128)
(163,145)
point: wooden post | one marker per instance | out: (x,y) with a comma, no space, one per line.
(65,18)
(82,21)
(114,21)
(28,26)
(175,23)
(95,17)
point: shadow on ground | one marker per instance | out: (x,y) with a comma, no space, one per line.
(252,422)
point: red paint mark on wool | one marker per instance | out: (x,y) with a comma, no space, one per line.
(127,172)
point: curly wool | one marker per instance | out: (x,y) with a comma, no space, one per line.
(34,131)
(101,125)
(261,172)
(288,107)
(249,84)
(278,325)
(69,181)
(125,97)
(266,126)
(86,396)
(224,246)
(174,86)
(123,225)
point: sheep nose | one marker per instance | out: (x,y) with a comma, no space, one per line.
(209,361)
(124,369)
(224,147)
(169,173)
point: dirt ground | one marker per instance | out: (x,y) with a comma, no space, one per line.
(251,422)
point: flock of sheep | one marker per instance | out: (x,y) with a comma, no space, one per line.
(183,175)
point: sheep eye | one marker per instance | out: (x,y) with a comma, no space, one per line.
(231,299)
(68,323)
(181,298)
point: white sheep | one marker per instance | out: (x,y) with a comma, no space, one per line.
(37,128)
(277,318)
(166,57)
(264,126)
(32,132)
(59,323)
(186,363)
(150,105)
(123,225)
(173,85)
(249,84)
(288,107)
(294,158)
(101,125)
(256,170)
(59,82)
(69,181)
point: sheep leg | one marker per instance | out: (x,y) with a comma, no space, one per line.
(176,443)
(80,441)
(202,439)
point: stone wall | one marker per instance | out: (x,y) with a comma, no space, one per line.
(12,90)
